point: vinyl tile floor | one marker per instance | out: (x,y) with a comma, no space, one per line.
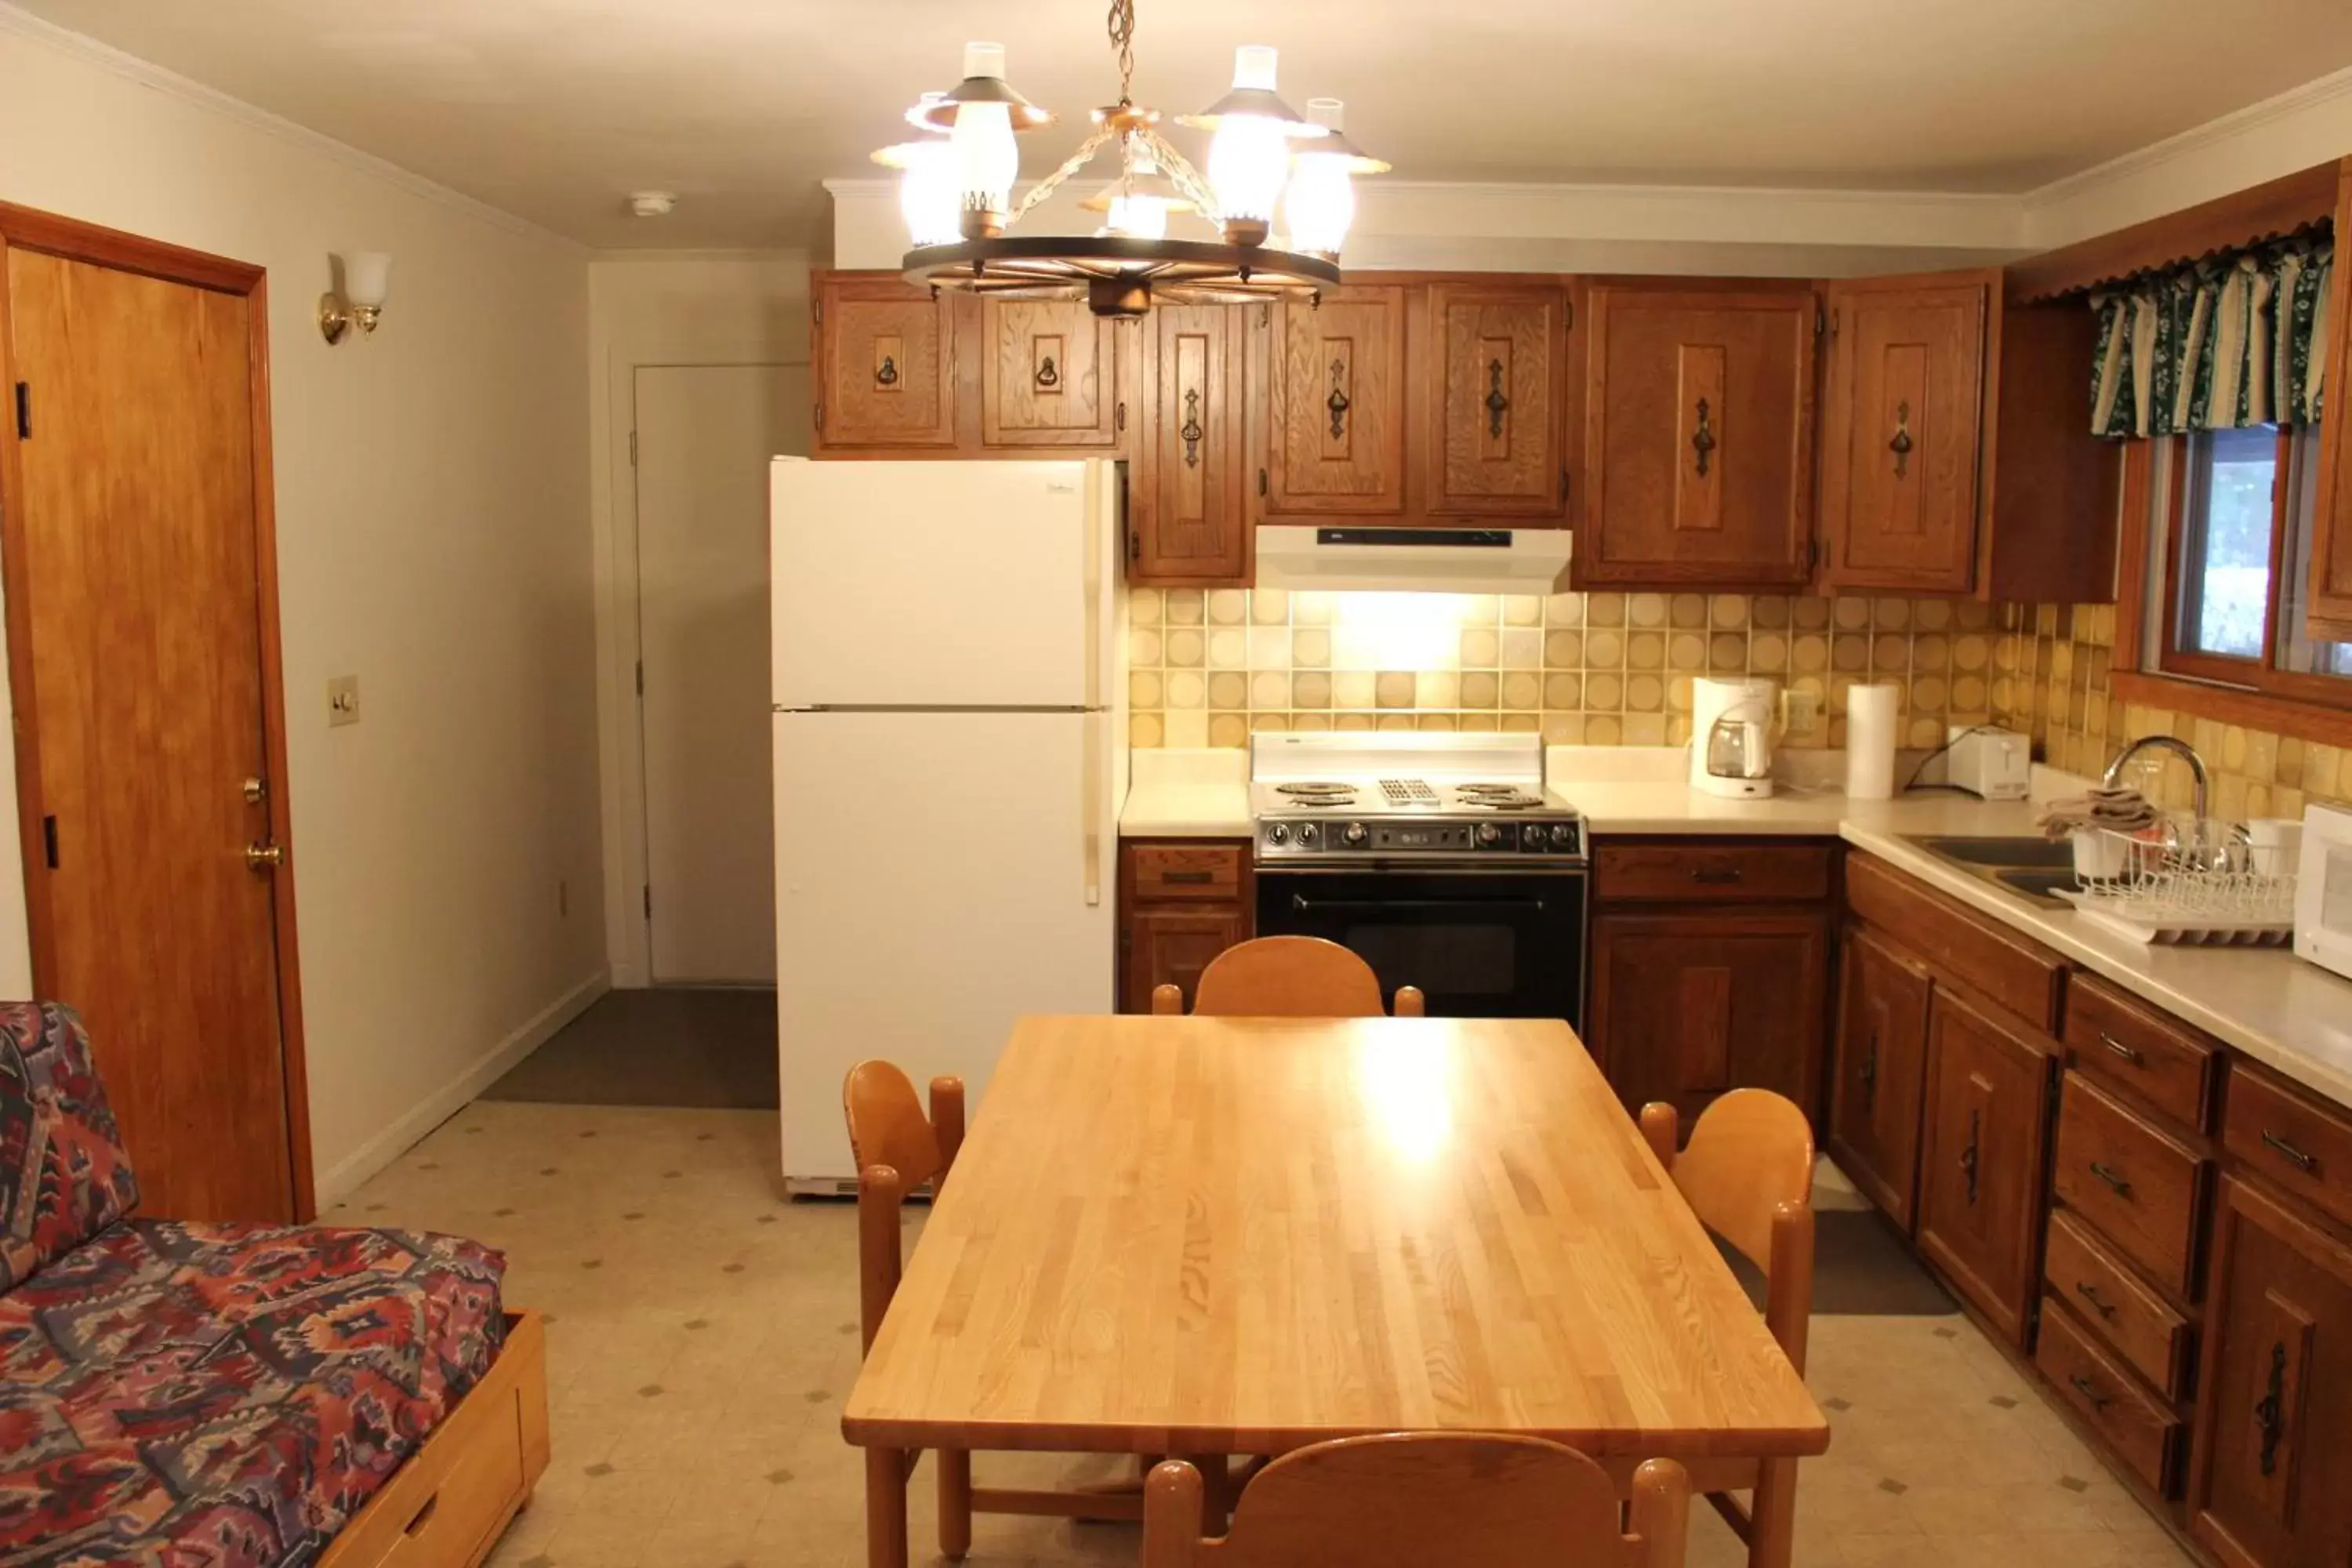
(704,1333)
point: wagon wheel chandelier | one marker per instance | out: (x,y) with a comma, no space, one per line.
(956,192)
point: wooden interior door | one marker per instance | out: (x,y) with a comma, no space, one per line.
(1980,1161)
(1189,515)
(1496,422)
(1698,418)
(1904,428)
(142,632)
(1882,1059)
(1337,392)
(1050,376)
(885,364)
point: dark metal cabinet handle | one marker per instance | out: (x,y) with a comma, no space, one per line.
(2294,1156)
(1703,443)
(2115,1179)
(1337,401)
(1048,376)
(1870,1075)
(2270,1411)
(1191,430)
(2090,1390)
(887,372)
(2128,1053)
(1119,417)
(1496,403)
(1970,1158)
(1191,878)
(1901,445)
(2090,1292)
(1715,875)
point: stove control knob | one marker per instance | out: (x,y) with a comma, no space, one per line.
(1563,834)
(1489,835)
(1276,833)
(1353,833)
(1307,833)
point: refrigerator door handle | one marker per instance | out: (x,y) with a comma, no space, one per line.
(1090,804)
(1090,574)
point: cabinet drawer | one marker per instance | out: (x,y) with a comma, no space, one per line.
(2019,974)
(2123,1042)
(2135,1321)
(2140,1429)
(2141,1186)
(1188,871)
(1710,873)
(2303,1147)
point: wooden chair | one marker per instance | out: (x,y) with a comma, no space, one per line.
(1748,1175)
(897,1149)
(1288,977)
(1408,1499)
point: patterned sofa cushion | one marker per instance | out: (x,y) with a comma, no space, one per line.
(64,1176)
(228,1395)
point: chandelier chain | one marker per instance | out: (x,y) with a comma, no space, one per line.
(1070,165)
(1122,43)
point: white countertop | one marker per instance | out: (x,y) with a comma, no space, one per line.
(2289,1015)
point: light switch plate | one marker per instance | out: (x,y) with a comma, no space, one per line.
(342,700)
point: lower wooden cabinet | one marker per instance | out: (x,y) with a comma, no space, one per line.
(1981,1187)
(1181,904)
(1685,1006)
(2271,1478)
(1880,1072)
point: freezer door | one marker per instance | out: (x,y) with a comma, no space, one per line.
(933,878)
(939,585)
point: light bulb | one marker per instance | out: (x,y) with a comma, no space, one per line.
(1249,156)
(1321,201)
(1137,217)
(988,158)
(929,195)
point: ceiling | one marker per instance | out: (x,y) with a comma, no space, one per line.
(555,110)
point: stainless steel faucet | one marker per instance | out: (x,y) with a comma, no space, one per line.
(2178,748)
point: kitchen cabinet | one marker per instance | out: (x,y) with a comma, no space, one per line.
(2271,1473)
(1880,1072)
(1698,437)
(1338,393)
(2328,607)
(1686,1006)
(1954,457)
(1195,473)
(1050,377)
(1981,1159)
(1497,410)
(1181,904)
(884,354)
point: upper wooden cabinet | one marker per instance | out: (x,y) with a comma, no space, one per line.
(1337,390)
(885,362)
(1500,385)
(1698,438)
(1195,469)
(1956,456)
(2329,606)
(1049,377)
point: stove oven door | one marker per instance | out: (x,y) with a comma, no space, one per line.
(1480,944)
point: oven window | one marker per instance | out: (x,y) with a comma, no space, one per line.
(1479,960)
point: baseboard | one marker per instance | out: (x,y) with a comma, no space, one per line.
(339,1180)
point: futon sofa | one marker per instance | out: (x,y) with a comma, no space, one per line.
(235,1395)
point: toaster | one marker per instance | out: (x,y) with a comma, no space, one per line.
(1997,765)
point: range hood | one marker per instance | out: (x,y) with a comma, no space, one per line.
(1412,560)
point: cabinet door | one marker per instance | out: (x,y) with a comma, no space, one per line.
(1905,430)
(1686,1006)
(884,359)
(2330,603)
(2272,1482)
(1338,395)
(1698,422)
(1172,946)
(1049,376)
(1981,1166)
(1495,436)
(1189,505)
(1882,1062)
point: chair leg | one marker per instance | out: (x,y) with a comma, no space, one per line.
(955,1502)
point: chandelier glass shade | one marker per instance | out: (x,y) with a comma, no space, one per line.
(958,191)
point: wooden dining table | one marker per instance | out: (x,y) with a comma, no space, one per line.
(1178,1235)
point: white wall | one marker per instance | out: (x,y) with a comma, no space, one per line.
(433,540)
(659,307)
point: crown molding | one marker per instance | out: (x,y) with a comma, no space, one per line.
(146,73)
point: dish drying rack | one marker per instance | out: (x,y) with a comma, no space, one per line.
(2194,881)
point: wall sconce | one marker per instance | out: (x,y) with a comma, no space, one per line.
(367,274)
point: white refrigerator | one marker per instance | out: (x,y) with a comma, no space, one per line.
(950,759)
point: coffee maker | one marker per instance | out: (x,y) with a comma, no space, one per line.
(1731,738)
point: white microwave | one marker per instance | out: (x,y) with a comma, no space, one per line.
(2323,891)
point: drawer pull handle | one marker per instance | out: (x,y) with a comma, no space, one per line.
(2294,1156)
(2113,1177)
(1715,874)
(2090,1292)
(1970,1158)
(2128,1053)
(424,1516)
(1870,1075)
(2270,1411)
(2090,1390)
(1190,878)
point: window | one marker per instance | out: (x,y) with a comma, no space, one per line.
(2227,606)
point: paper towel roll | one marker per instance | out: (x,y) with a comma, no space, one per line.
(1870,742)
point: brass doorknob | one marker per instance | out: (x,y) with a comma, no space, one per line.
(265,857)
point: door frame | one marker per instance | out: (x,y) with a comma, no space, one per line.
(22,229)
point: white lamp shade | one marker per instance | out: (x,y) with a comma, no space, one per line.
(987,155)
(367,278)
(931,195)
(1249,158)
(1137,217)
(1320,204)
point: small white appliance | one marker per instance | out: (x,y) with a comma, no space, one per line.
(2322,890)
(1995,764)
(1731,738)
(947,698)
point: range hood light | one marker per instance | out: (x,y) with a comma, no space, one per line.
(1412,560)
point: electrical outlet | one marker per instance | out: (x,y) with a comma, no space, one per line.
(342,700)
(1801,711)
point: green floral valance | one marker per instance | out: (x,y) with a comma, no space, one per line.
(2231,341)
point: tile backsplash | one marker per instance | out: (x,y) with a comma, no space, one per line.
(1206,667)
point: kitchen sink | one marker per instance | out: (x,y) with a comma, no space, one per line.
(2014,852)
(2043,885)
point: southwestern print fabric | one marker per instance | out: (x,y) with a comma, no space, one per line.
(228,1395)
(64,1176)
